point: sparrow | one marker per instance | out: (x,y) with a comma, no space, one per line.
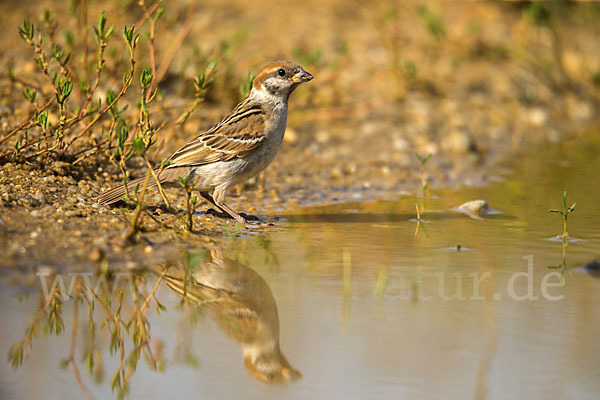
(239,147)
(241,303)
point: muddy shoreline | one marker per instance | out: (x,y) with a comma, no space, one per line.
(50,222)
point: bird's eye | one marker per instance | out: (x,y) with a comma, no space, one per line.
(281,72)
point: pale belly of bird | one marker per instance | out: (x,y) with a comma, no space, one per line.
(229,173)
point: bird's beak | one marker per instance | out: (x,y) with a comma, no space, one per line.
(301,76)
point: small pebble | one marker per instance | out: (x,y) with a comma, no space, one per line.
(476,209)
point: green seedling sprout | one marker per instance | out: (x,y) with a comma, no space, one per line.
(565,214)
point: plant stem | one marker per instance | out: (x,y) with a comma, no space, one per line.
(134,228)
(108,107)
(188,205)
(155,175)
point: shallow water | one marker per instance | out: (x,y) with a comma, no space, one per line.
(364,304)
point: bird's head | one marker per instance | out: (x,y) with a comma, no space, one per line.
(280,78)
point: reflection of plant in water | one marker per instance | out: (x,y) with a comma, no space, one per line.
(562,267)
(124,328)
(232,231)
(565,214)
(270,258)
(418,219)
(382,279)
(261,251)
(51,310)
(234,295)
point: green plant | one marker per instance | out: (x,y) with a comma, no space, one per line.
(202,82)
(564,213)
(596,78)
(247,85)
(537,14)
(388,27)
(409,70)
(56,66)
(190,202)
(432,21)
(422,161)
(76,135)
(135,224)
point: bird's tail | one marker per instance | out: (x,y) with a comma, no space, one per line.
(117,193)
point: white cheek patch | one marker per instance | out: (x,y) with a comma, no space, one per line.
(273,90)
(271,84)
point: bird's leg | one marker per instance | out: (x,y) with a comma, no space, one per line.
(218,198)
(210,199)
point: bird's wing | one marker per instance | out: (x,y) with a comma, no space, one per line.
(237,135)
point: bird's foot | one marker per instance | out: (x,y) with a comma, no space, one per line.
(257,223)
(249,220)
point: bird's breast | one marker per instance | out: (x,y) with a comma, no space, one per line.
(240,169)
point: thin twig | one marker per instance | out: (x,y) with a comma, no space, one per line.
(112,318)
(105,110)
(24,124)
(150,355)
(151,45)
(95,149)
(137,26)
(83,31)
(138,210)
(14,79)
(158,184)
(172,50)
(151,295)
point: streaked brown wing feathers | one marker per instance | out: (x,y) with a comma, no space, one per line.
(235,136)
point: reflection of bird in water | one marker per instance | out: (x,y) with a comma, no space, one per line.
(242,304)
